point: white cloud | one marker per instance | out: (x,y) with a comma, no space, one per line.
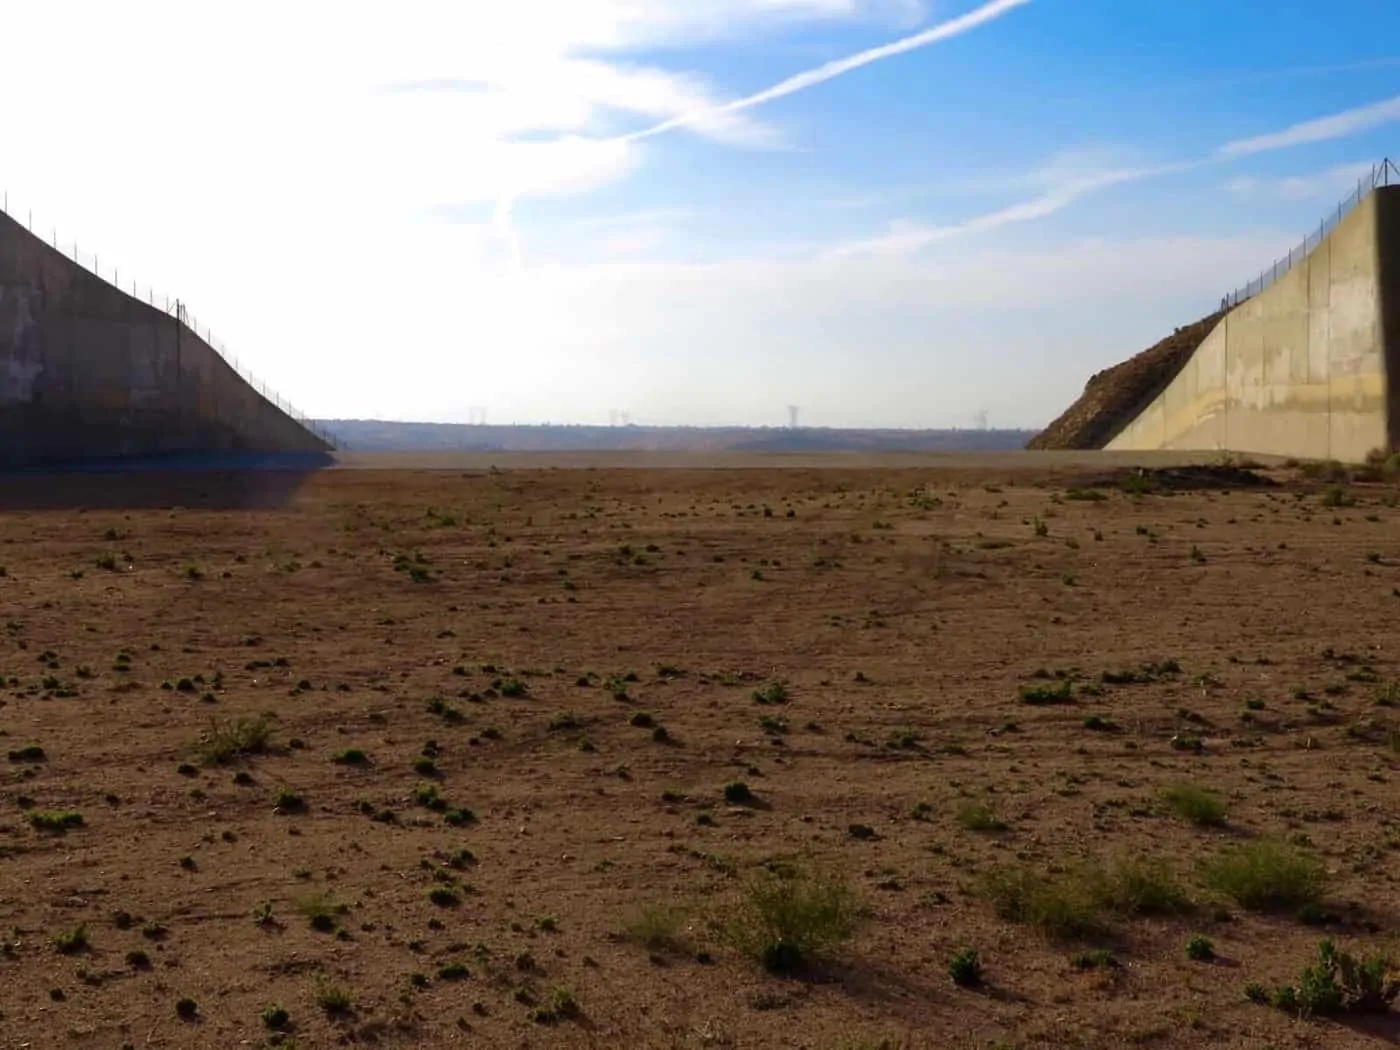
(1336,126)
(910,238)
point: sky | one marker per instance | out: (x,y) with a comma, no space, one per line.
(891,213)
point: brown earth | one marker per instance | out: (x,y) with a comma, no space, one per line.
(904,609)
(1113,398)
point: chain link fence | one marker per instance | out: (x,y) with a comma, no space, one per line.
(1386,173)
(174,307)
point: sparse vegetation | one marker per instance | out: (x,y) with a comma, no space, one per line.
(1061,692)
(978,816)
(1195,804)
(55,821)
(660,928)
(228,740)
(1337,982)
(71,942)
(1199,949)
(966,969)
(786,921)
(1078,864)
(1082,899)
(1266,875)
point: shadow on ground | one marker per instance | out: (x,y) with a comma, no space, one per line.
(252,482)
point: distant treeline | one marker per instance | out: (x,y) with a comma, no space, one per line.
(372,435)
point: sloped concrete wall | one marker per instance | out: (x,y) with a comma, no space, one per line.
(88,372)
(1302,368)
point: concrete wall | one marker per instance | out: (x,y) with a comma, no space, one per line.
(1302,368)
(89,372)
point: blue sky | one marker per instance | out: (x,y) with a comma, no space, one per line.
(473,204)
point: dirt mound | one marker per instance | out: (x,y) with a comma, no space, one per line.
(1113,397)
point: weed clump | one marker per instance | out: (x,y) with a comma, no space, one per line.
(55,821)
(71,942)
(226,741)
(1061,692)
(1080,901)
(787,921)
(1199,949)
(966,969)
(1266,875)
(1197,805)
(659,928)
(978,816)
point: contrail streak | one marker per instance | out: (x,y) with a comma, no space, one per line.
(837,67)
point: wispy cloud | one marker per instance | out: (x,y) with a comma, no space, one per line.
(1341,125)
(1070,179)
(908,240)
(727,120)
(837,67)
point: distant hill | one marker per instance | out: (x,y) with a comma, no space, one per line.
(373,435)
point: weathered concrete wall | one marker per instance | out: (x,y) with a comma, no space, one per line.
(1302,368)
(88,372)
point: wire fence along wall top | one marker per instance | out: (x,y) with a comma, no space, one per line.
(1386,173)
(177,310)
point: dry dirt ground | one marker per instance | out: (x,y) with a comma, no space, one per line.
(466,828)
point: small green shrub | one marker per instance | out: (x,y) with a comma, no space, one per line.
(321,912)
(660,928)
(1094,959)
(288,801)
(787,921)
(334,1000)
(228,740)
(1061,906)
(966,969)
(1133,885)
(71,942)
(1266,875)
(773,693)
(1199,949)
(1198,805)
(978,816)
(1080,900)
(55,821)
(1338,982)
(1061,692)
